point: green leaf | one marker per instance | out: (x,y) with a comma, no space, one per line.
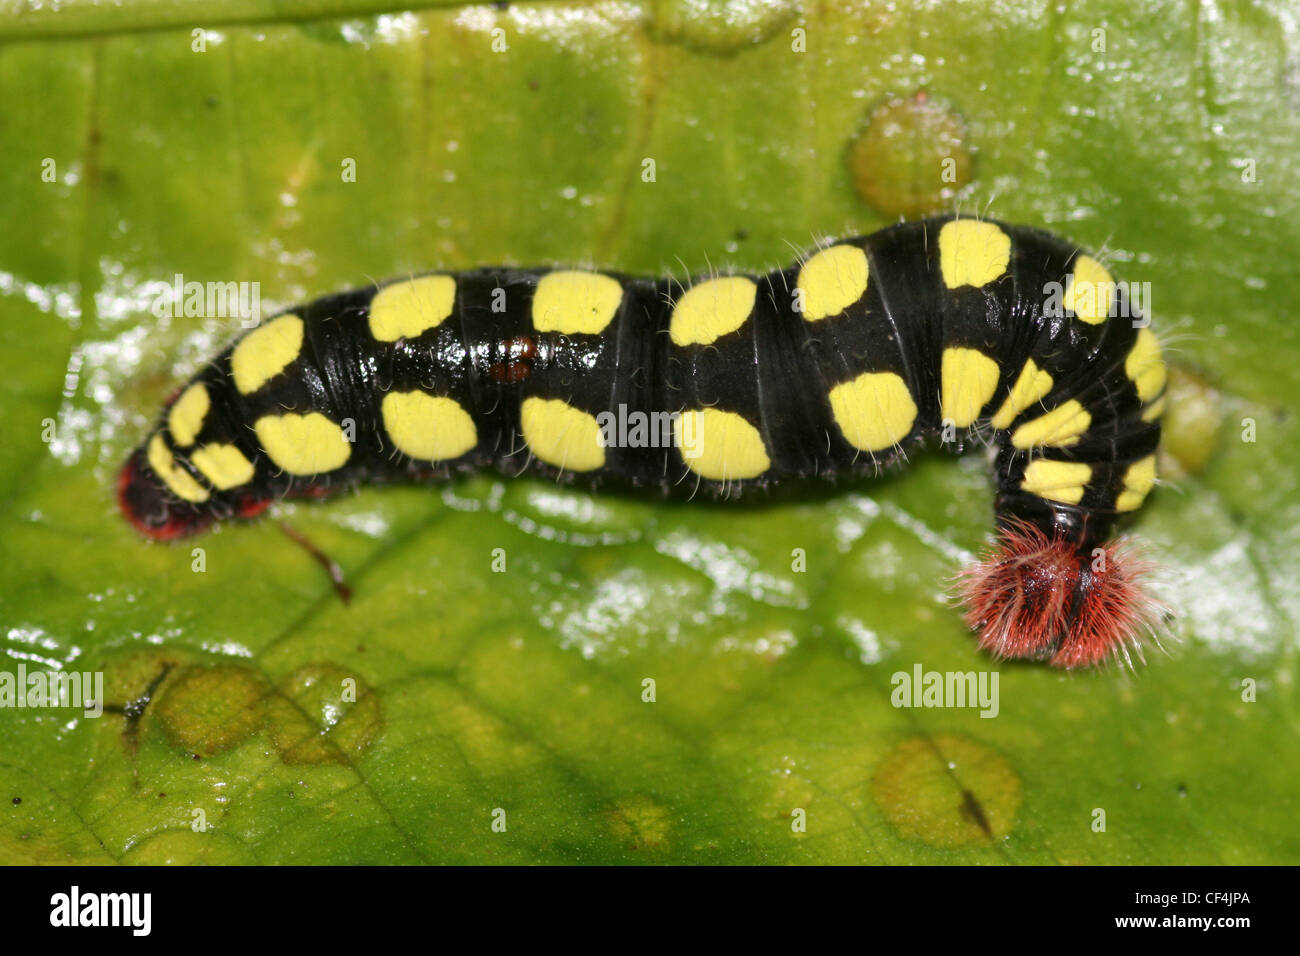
(474,692)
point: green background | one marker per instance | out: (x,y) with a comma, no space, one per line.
(522,691)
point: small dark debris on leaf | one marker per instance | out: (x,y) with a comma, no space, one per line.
(972,809)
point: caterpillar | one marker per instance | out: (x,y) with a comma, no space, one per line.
(973,330)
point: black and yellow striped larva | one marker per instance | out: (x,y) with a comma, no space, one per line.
(834,366)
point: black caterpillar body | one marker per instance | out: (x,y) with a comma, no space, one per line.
(833,366)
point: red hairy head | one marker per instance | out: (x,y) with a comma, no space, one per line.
(1035,597)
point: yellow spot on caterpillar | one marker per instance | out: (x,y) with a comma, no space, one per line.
(404,310)
(303,444)
(428,427)
(1138,482)
(833,280)
(875,411)
(180,481)
(1145,367)
(562,435)
(1089,295)
(1061,427)
(711,309)
(972,253)
(185,420)
(1030,387)
(223,465)
(720,446)
(576,303)
(265,352)
(1057,480)
(1155,409)
(969,379)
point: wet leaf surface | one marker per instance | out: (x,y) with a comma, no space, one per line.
(516,698)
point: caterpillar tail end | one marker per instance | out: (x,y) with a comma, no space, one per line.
(1038,598)
(150,509)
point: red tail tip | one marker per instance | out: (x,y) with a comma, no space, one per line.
(149,508)
(1036,597)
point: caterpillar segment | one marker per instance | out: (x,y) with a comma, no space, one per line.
(835,366)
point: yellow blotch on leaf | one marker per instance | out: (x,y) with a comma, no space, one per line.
(832,280)
(562,435)
(265,352)
(405,310)
(1030,387)
(1061,427)
(223,465)
(1057,480)
(972,253)
(208,710)
(640,823)
(428,427)
(712,309)
(576,303)
(875,411)
(968,380)
(185,420)
(177,479)
(720,446)
(323,713)
(303,444)
(948,791)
